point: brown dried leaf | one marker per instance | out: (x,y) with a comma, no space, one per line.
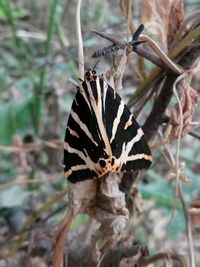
(189,99)
(176,17)
(162,19)
(156,19)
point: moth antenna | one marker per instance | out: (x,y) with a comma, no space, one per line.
(85,66)
(96,63)
(77,61)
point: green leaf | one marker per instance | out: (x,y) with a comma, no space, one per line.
(17,13)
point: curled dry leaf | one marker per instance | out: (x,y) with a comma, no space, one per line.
(189,99)
(162,19)
(176,17)
(156,19)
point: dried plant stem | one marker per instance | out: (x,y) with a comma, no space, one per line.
(170,158)
(185,42)
(188,229)
(80,41)
(130,23)
(178,187)
(24,34)
(180,131)
(161,54)
(61,239)
(178,36)
(175,162)
(55,144)
(25,181)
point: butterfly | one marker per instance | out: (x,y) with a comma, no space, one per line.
(102,135)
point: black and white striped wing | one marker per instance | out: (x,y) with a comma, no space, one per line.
(102,135)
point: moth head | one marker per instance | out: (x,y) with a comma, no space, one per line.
(91,75)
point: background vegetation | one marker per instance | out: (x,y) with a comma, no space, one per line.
(38,55)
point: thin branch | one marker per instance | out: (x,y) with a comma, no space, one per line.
(179,132)
(58,258)
(147,54)
(24,34)
(166,60)
(178,35)
(26,181)
(188,228)
(55,144)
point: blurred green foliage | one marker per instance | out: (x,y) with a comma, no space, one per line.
(31,69)
(16,13)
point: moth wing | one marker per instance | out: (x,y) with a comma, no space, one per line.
(84,145)
(129,146)
(100,128)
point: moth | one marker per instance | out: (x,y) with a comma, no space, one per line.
(102,135)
